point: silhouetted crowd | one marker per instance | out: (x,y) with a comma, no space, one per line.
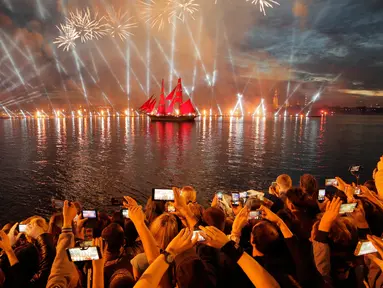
(302,236)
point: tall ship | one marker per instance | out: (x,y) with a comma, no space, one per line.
(170,108)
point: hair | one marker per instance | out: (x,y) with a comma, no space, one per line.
(309,184)
(253,203)
(189,194)
(164,228)
(130,232)
(266,238)
(122,278)
(117,218)
(298,198)
(214,217)
(40,221)
(370,184)
(197,210)
(153,209)
(113,235)
(285,182)
(7,227)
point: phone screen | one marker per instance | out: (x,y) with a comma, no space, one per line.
(90,214)
(125,213)
(256,215)
(235,197)
(197,233)
(58,204)
(243,195)
(357,191)
(274,184)
(321,194)
(365,247)
(171,208)
(331,182)
(163,195)
(83,254)
(354,168)
(220,195)
(22,228)
(347,208)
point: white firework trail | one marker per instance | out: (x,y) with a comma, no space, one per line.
(88,27)
(67,38)
(119,24)
(264,4)
(182,8)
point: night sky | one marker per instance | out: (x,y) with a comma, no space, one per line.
(311,45)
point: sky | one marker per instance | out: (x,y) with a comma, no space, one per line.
(305,46)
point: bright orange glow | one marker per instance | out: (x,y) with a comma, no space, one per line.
(102,112)
(127,112)
(38,114)
(177,112)
(79,113)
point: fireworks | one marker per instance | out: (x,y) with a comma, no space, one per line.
(263,4)
(157,13)
(67,38)
(119,24)
(88,27)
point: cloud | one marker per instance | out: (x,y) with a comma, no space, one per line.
(373,93)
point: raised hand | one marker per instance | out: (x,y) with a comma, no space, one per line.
(378,244)
(214,203)
(80,230)
(269,215)
(129,202)
(69,213)
(332,212)
(341,184)
(179,201)
(99,242)
(11,234)
(240,221)
(136,215)
(214,237)
(359,216)
(182,242)
(5,243)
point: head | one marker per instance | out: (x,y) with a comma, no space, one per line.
(266,239)
(309,184)
(164,228)
(131,233)
(189,194)
(284,183)
(122,278)
(214,217)
(113,235)
(104,219)
(117,218)
(297,200)
(36,226)
(197,210)
(153,209)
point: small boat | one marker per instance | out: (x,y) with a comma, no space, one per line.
(168,113)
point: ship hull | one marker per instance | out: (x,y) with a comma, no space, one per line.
(172,118)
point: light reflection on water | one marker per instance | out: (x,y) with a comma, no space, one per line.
(93,159)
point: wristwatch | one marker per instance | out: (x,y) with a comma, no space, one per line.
(169,259)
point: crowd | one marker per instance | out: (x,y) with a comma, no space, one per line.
(286,237)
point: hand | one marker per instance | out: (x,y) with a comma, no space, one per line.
(237,209)
(179,201)
(11,234)
(129,202)
(378,244)
(240,221)
(98,265)
(80,230)
(5,244)
(332,212)
(360,216)
(182,242)
(273,191)
(341,184)
(214,237)
(136,215)
(380,164)
(269,215)
(69,212)
(214,203)
(322,206)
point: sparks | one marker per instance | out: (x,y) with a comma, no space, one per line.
(88,27)
(182,8)
(263,4)
(67,38)
(119,24)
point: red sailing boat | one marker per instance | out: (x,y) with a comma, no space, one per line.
(186,111)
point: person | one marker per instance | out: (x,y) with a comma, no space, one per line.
(309,185)
(153,209)
(189,194)
(283,184)
(214,217)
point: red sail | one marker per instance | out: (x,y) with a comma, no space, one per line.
(161,105)
(151,106)
(178,97)
(171,95)
(187,108)
(146,105)
(169,110)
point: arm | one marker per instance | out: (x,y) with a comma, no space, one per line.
(379,177)
(183,208)
(98,265)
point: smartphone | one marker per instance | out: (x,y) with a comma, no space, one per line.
(364,247)
(321,195)
(357,191)
(220,196)
(235,199)
(331,182)
(125,213)
(57,204)
(22,228)
(117,201)
(170,208)
(90,214)
(255,215)
(78,254)
(162,194)
(243,195)
(355,169)
(347,208)
(197,233)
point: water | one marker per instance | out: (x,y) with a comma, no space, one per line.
(92,160)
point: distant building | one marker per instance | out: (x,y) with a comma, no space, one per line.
(275,100)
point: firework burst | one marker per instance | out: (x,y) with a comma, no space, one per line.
(67,38)
(182,8)
(119,24)
(263,4)
(88,27)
